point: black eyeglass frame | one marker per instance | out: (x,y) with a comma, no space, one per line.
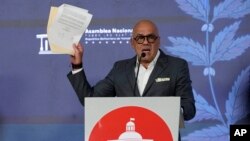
(151,38)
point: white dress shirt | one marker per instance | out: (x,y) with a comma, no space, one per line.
(144,73)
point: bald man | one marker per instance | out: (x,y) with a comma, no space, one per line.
(154,65)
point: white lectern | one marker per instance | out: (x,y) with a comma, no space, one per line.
(132,118)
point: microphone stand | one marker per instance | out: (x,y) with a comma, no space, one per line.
(137,73)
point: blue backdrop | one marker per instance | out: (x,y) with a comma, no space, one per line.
(38,103)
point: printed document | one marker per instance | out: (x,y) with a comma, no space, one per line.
(66,26)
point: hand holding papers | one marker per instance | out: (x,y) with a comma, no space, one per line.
(66,26)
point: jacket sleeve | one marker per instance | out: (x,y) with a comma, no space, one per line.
(83,89)
(184,90)
(80,85)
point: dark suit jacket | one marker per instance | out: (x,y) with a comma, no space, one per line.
(121,79)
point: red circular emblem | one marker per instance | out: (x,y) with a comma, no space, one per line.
(131,123)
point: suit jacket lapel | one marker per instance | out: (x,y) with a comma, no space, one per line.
(160,66)
(131,76)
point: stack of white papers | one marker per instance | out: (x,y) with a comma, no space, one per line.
(66,26)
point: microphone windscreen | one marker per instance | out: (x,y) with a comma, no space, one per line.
(143,54)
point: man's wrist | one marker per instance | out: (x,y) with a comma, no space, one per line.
(76,66)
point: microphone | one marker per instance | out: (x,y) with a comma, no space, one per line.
(138,68)
(142,55)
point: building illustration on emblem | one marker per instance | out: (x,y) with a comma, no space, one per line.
(130,134)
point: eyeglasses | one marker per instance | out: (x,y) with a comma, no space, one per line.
(151,38)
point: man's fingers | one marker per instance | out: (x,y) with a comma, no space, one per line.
(79,47)
(78,53)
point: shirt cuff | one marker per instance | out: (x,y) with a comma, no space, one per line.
(76,71)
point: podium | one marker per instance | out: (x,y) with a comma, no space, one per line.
(132,118)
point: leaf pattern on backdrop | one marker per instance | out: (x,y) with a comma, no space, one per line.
(231,9)
(197,8)
(204,110)
(215,133)
(237,104)
(192,51)
(224,47)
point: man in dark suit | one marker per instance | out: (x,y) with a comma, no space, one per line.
(159,74)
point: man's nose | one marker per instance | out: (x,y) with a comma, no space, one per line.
(145,41)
